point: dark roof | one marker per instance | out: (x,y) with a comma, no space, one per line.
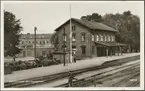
(110,44)
(91,25)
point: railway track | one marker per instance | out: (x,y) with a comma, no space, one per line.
(49,78)
(100,78)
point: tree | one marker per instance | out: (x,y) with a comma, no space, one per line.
(94,17)
(12,29)
(54,40)
(128,26)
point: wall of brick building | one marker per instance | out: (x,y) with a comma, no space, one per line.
(78,43)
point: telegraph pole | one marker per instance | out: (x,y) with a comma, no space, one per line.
(35,43)
(64,35)
(70,52)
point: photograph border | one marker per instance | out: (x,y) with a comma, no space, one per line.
(84,88)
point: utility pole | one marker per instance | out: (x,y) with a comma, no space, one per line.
(35,43)
(64,35)
(70,52)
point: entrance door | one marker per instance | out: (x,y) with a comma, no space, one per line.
(83,51)
(101,51)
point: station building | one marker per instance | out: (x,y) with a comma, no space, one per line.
(88,38)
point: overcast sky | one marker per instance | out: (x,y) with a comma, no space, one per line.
(47,16)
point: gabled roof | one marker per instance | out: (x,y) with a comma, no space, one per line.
(91,25)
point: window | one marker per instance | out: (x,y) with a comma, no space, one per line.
(73,28)
(97,37)
(101,37)
(73,46)
(108,37)
(47,41)
(93,37)
(105,38)
(29,41)
(113,38)
(40,42)
(64,37)
(83,49)
(73,37)
(83,37)
(43,42)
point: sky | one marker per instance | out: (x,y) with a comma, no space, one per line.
(47,16)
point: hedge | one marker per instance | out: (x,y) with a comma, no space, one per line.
(22,65)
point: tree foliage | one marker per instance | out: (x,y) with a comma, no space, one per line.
(94,17)
(128,26)
(12,29)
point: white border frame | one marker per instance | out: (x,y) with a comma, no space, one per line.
(84,88)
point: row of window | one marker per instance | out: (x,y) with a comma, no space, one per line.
(99,37)
(37,42)
(103,37)
(33,37)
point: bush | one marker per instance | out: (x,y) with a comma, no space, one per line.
(22,66)
(38,63)
(57,61)
(47,62)
(28,65)
(7,68)
(41,58)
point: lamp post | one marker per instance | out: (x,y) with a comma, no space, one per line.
(35,43)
